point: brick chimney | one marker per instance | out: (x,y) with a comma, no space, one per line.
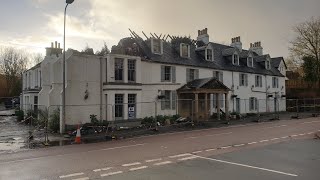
(54,49)
(257,48)
(236,42)
(203,36)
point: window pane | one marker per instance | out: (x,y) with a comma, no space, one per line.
(209,54)
(191,74)
(131,70)
(118,105)
(157,46)
(167,73)
(167,99)
(118,69)
(184,50)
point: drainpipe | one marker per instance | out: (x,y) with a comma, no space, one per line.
(232,92)
(265,80)
(100,88)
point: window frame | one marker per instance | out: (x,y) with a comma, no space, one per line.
(248,63)
(234,59)
(245,79)
(119,106)
(117,69)
(167,75)
(275,82)
(154,43)
(258,81)
(206,54)
(181,50)
(131,71)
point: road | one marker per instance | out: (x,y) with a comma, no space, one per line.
(273,150)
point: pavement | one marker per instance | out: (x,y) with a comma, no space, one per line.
(284,149)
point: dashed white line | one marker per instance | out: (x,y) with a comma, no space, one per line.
(309,122)
(295,135)
(111,173)
(302,134)
(179,155)
(266,140)
(71,175)
(193,137)
(276,126)
(196,152)
(210,150)
(274,139)
(153,160)
(310,133)
(83,178)
(131,164)
(248,166)
(252,142)
(162,163)
(187,158)
(225,147)
(238,145)
(284,137)
(138,168)
(102,169)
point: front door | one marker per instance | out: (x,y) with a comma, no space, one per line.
(238,105)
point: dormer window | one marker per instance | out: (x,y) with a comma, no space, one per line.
(268,66)
(209,54)
(185,50)
(235,59)
(250,61)
(156,46)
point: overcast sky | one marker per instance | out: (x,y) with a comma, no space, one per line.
(33,24)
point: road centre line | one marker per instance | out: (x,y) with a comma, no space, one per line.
(162,163)
(138,168)
(102,169)
(187,158)
(131,164)
(196,152)
(180,155)
(58,155)
(253,142)
(210,150)
(83,178)
(194,137)
(248,166)
(111,173)
(224,147)
(71,175)
(153,160)
(265,140)
(238,145)
(309,122)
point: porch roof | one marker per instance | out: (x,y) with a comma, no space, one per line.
(206,85)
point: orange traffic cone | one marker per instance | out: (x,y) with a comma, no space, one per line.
(78,136)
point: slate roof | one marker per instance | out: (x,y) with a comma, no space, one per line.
(206,83)
(275,62)
(171,56)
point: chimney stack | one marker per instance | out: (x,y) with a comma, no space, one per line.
(54,49)
(55,44)
(203,36)
(257,48)
(236,42)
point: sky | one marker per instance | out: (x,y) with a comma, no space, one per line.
(34,24)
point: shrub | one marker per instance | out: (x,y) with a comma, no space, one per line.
(20,115)
(148,120)
(54,123)
(94,120)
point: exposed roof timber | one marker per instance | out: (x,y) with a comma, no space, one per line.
(167,37)
(164,36)
(156,35)
(160,36)
(152,35)
(145,35)
(132,33)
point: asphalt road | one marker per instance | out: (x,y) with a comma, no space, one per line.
(275,150)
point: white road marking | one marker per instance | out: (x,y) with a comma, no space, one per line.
(274,139)
(111,173)
(284,137)
(310,122)
(252,142)
(310,132)
(295,135)
(194,137)
(238,145)
(248,166)
(276,126)
(266,140)
(162,163)
(196,152)
(187,158)
(138,168)
(224,147)
(210,150)
(302,134)
(71,175)
(58,155)
(131,164)
(102,169)
(180,155)
(83,178)
(153,160)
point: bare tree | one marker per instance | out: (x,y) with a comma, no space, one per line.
(307,43)
(104,50)
(12,63)
(36,58)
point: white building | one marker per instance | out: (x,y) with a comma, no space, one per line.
(128,83)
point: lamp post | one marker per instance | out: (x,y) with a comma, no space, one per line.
(63,110)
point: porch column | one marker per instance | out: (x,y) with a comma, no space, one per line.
(196,108)
(227,105)
(206,106)
(218,106)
